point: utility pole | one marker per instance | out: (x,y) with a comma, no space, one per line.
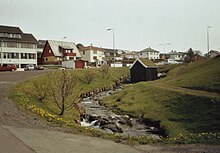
(1,53)
(208,39)
(113,41)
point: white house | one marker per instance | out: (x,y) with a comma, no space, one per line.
(212,53)
(175,55)
(17,48)
(94,55)
(149,53)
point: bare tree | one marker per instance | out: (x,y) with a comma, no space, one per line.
(104,69)
(41,88)
(89,75)
(62,88)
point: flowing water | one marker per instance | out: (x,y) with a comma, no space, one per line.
(101,118)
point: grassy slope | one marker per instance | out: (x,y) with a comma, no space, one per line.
(25,93)
(203,75)
(179,110)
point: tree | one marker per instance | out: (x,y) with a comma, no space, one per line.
(41,89)
(62,88)
(104,69)
(89,75)
(190,54)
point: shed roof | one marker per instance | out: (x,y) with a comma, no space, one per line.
(145,62)
(56,44)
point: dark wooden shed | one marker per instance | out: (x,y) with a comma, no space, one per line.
(143,70)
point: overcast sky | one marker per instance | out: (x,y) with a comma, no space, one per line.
(138,24)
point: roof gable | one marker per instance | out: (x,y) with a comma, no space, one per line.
(55,45)
(89,48)
(145,62)
(149,50)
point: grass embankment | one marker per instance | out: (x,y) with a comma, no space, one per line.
(201,75)
(35,95)
(189,116)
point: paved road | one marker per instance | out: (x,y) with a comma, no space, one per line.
(22,133)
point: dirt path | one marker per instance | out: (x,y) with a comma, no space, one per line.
(41,137)
(183,90)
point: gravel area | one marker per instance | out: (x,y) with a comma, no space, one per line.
(9,114)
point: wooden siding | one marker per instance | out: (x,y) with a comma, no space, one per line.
(139,73)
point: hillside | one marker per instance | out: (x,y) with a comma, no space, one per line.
(202,75)
(180,110)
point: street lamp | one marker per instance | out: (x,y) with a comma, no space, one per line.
(1,52)
(164,46)
(113,37)
(208,38)
(61,47)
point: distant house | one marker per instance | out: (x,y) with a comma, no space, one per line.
(175,55)
(57,51)
(17,48)
(94,55)
(212,53)
(143,70)
(149,53)
(71,64)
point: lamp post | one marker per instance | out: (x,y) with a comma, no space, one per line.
(61,48)
(1,52)
(208,38)
(113,41)
(164,46)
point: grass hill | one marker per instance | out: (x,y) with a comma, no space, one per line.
(185,102)
(202,75)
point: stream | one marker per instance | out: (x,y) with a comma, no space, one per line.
(100,118)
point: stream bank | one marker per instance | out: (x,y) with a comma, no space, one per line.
(101,118)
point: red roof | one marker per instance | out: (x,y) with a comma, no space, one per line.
(88,48)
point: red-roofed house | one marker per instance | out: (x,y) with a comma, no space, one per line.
(57,51)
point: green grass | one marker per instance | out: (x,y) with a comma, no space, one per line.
(26,95)
(202,75)
(181,111)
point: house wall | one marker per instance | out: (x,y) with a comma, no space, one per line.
(48,55)
(176,56)
(137,73)
(149,55)
(89,56)
(80,64)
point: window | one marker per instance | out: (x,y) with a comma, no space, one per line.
(83,52)
(95,52)
(95,57)
(49,51)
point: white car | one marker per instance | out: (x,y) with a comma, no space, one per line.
(170,61)
(29,67)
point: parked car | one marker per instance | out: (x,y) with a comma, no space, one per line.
(170,61)
(8,68)
(29,67)
(39,67)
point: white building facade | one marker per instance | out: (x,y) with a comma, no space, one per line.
(149,53)
(176,56)
(17,48)
(93,55)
